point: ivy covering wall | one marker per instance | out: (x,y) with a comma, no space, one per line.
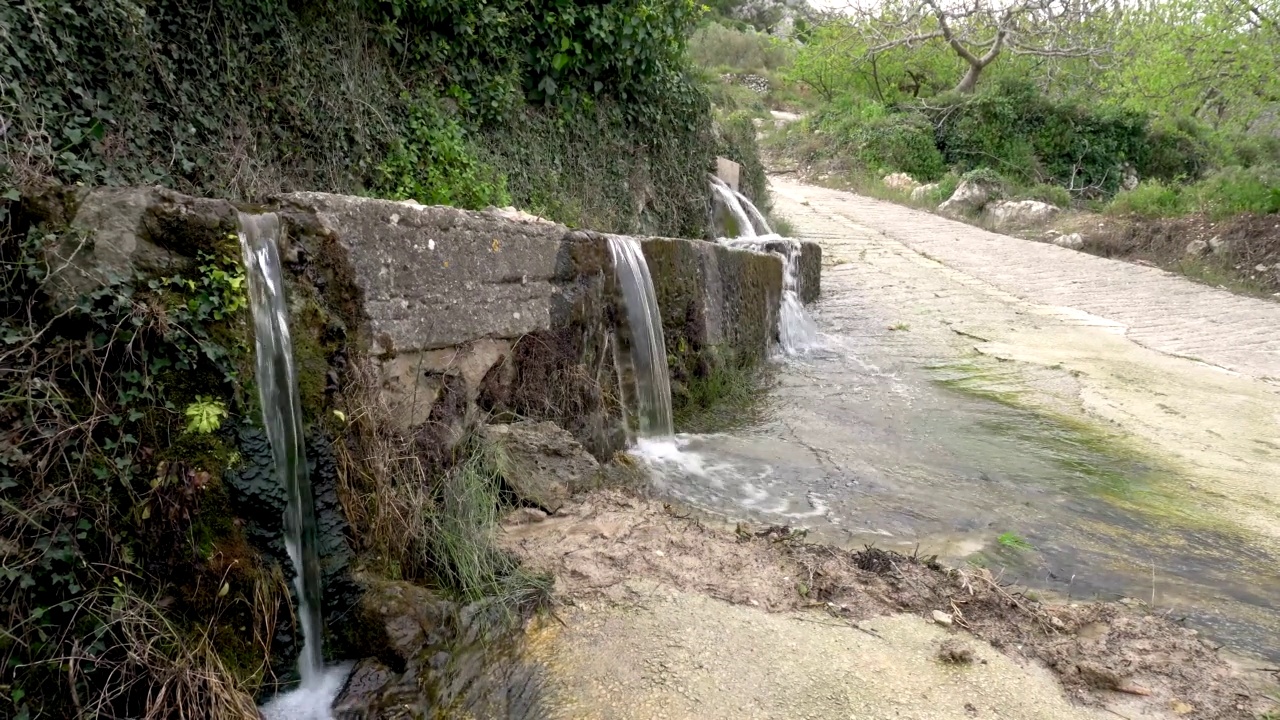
(440,100)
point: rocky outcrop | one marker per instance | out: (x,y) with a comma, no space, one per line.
(969,198)
(428,655)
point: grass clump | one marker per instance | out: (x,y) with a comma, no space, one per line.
(1222,194)
(423,518)
(1151,199)
(1013,541)
(727,396)
(460,541)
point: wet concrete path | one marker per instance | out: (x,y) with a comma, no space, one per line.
(1093,427)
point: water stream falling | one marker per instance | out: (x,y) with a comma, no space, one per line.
(282,419)
(797,332)
(648,350)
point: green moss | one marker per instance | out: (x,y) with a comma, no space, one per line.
(1104,464)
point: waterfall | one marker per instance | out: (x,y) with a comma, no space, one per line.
(648,350)
(282,418)
(796,330)
(729,198)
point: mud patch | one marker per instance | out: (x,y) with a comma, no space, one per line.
(1107,655)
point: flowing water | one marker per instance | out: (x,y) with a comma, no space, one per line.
(651,378)
(797,332)
(282,418)
(863,445)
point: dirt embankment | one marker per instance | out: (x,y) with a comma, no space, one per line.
(1241,253)
(1114,657)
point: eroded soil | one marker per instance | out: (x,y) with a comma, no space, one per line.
(620,560)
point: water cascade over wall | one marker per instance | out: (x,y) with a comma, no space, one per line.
(648,349)
(282,419)
(796,330)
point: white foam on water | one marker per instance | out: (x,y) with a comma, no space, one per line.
(672,453)
(311,702)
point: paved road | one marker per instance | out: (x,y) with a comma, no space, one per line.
(1189,371)
(1157,309)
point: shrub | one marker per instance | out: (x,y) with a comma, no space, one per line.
(436,165)
(738,143)
(1235,190)
(1052,194)
(900,142)
(1175,151)
(740,50)
(1251,150)
(1032,139)
(1151,198)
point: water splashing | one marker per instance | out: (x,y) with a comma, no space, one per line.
(797,333)
(282,419)
(648,350)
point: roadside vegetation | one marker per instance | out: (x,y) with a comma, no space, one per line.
(1119,116)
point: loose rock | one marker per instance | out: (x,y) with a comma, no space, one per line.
(543,463)
(1012,213)
(1074,241)
(900,181)
(970,197)
(941,618)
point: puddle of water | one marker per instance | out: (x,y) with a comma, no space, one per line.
(948,460)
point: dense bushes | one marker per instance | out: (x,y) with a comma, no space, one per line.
(715,45)
(329,94)
(1028,137)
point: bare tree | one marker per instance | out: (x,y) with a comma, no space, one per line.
(981,31)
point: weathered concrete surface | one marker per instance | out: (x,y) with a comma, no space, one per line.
(499,312)
(810,271)
(715,297)
(728,171)
(437,277)
(115,233)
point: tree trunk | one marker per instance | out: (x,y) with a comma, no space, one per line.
(970,80)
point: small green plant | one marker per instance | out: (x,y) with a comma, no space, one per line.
(900,327)
(435,164)
(1151,198)
(205,415)
(1052,194)
(1013,541)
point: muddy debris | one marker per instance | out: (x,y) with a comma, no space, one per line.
(1105,654)
(955,652)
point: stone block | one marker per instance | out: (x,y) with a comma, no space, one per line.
(810,271)
(728,171)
